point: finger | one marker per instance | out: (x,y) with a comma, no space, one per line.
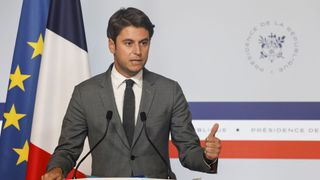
(214,130)
(212,139)
(212,149)
(211,154)
(213,145)
(215,149)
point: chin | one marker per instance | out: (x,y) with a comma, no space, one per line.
(136,68)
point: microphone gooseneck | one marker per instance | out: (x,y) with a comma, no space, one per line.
(108,117)
(143,118)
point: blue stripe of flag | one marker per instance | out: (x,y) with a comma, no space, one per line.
(61,21)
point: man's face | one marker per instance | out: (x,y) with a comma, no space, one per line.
(130,50)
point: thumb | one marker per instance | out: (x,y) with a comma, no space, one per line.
(214,130)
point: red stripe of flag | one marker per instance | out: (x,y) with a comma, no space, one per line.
(265,149)
(37,162)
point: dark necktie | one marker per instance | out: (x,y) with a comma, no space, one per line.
(129,110)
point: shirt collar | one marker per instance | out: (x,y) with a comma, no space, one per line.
(119,78)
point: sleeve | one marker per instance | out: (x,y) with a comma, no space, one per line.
(184,136)
(73,134)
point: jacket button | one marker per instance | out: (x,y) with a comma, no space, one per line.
(132,157)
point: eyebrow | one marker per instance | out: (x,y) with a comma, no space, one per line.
(145,39)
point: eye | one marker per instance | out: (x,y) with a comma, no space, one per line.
(128,43)
(145,43)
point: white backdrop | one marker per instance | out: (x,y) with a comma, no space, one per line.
(211,48)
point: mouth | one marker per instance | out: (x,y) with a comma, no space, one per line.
(136,61)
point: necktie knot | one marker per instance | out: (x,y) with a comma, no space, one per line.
(129,83)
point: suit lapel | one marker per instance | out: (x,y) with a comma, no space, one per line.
(148,92)
(107,96)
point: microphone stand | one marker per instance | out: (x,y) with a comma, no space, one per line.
(143,117)
(108,116)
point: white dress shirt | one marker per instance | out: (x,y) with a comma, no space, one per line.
(119,86)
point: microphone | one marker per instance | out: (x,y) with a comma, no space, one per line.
(109,117)
(143,118)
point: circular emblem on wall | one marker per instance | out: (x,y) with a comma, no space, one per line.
(271,47)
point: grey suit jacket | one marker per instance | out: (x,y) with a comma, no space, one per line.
(167,111)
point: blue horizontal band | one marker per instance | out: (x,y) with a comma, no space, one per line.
(255,110)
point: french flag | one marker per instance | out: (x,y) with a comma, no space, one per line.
(64,64)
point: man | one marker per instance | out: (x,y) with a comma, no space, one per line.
(127,89)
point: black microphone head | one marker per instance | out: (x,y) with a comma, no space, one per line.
(109,115)
(143,116)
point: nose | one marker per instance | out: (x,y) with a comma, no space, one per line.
(137,50)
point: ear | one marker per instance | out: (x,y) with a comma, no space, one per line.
(112,46)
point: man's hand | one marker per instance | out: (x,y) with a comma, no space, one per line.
(53,174)
(212,146)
